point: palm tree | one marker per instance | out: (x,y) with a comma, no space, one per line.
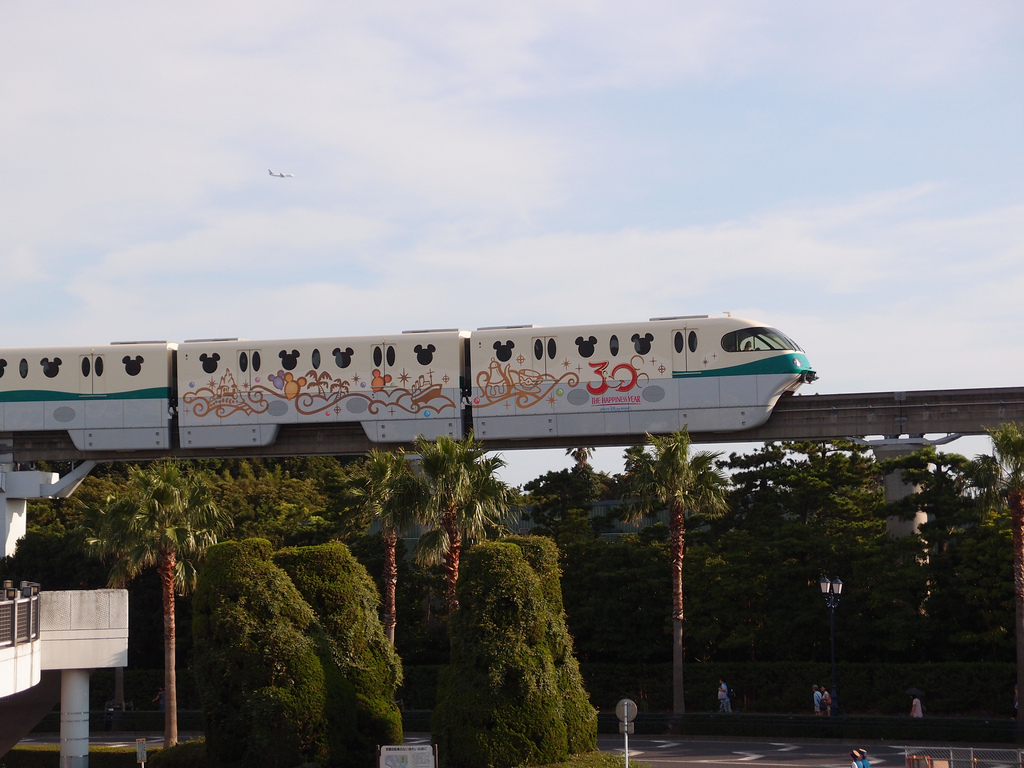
(1006,467)
(462,497)
(164,518)
(384,486)
(581,455)
(669,476)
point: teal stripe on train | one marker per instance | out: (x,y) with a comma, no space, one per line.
(43,395)
(791,362)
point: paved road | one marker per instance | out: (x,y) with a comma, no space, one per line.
(663,751)
(656,751)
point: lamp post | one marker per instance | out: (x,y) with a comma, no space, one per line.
(831,590)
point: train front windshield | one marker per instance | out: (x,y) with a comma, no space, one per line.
(758,340)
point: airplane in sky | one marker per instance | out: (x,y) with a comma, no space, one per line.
(280,175)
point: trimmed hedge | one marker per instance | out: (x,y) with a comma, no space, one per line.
(279,679)
(512,694)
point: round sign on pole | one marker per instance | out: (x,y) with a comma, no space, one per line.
(626,710)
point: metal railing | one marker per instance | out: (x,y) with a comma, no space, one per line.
(19,613)
(962,757)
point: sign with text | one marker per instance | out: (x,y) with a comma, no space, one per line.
(418,756)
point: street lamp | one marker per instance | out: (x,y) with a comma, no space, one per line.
(831,590)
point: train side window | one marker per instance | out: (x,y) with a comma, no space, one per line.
(378,356)
(677,342)
(86,366)
(613,345)
(3,365)
(391,356)
(315,359)
(692,341)
(255,361)
(552,349)
(538,349)
(243,361)
(342,357)
(642,344)
(586,345)
(97,366)
(23,368)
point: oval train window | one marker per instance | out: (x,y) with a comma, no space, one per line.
(613,345)
(315,357)
(378,356)
(98,366)
(255,360)
(391,356)
(23,368)
(538,349)
(693,341)
(243,361)
(677,341)
(86,366)
(552,349)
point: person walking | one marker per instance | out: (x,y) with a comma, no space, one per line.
(817,699)
(724,705)
(826,701)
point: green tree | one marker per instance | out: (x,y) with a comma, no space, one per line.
(670,476)
(384,487)
(1007,472)
(164,518)
(461,498)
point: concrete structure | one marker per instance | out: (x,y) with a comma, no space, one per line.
(65,633)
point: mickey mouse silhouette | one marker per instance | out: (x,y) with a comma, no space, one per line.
(342,357)
(424,356)
(504,350)
(132,367)
(209,362)
(380,380)
(586,346)
(289,359)
(50,369)
(642,344)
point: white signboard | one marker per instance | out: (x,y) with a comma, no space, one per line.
(419,756)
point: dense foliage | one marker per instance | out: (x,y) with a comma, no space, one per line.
(512,694)
(796,511)
(277,664)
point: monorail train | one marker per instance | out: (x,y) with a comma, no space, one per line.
(708,374)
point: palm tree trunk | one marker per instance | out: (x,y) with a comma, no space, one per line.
(390,536)
(1016,504)
(165,567)
(451,558)
(677,542)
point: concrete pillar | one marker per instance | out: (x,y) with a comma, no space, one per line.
(74,718)
(12,526)
(896,489)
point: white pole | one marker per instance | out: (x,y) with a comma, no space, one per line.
(74,717)
(626,734)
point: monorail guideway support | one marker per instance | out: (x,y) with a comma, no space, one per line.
(17,486)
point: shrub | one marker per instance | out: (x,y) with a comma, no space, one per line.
(508,697)
(290,658)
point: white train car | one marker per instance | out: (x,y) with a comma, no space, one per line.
(706,374)
(116,397)
(236,393)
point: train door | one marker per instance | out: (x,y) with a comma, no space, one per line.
(544,351)
(250,369)
(685,342)
(92,381)
(383,356)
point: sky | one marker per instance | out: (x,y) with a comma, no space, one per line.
(850,173)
